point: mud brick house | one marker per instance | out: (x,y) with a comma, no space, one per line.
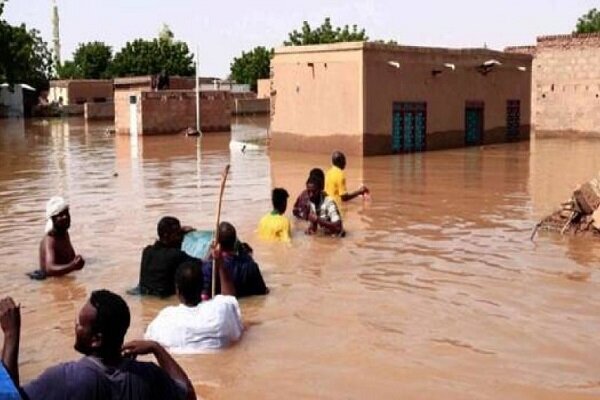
(141,109)
(370,98)
(566,83)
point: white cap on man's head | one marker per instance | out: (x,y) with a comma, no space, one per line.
(54,206)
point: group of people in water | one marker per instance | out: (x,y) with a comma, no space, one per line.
(202,321)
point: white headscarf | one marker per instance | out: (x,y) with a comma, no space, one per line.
(54,206)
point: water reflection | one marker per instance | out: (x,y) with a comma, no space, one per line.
(437,291)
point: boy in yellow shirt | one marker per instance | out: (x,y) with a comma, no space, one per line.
(275,226)
(335,181)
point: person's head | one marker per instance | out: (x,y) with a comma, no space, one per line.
(102,324)
(169,231)
(57,215)
(279,198)
(188,283)
(338,159)
(227,236)
(314,188)
(317,173)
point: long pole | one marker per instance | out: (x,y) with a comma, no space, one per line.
(198,90)
(221,190)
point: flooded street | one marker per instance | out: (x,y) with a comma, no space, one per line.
(436,292)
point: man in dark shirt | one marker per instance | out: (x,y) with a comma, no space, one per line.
(108,369)
(242,268)
(161,259)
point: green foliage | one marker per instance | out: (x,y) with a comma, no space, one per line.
(325,33)
(68,70)
(147,57)
(251,66)
(589,23)
(90,61)
(389,42)
(24,56)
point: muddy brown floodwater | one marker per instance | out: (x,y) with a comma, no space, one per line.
(436,292)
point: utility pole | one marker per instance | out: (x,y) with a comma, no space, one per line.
(198,90)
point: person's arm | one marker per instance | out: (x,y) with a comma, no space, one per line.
(349,196)
(164,360)
(51,267)
(299,209)
(10,321)
(227,287)
(332,227)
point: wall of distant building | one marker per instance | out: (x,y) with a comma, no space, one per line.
(263,88)
(370,98)
(83,91)
(566,83)
(444,83)
(94,111)
(171,111)
(317,98)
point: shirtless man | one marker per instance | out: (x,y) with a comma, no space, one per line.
(57,256)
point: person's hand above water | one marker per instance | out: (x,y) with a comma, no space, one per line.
(10,317)
(139,348)
(187,229)
(78,262)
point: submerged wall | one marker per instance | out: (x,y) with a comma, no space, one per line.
(172,111)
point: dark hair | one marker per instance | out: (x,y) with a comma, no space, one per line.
(338,158)
(279,197)
(315,181)
(317,173)
(189,282)
(112,318)
(227,236)
(167,225)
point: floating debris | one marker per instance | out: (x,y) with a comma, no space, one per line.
(580,215)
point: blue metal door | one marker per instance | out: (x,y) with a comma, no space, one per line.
(473,125)
(409,127)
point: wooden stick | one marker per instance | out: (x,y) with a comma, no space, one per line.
(535,229)
(214,263)
(571,218)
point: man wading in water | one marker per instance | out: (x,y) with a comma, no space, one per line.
(335,181)
(324,212)
(57,256)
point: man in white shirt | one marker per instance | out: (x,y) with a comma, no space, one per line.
(195,326)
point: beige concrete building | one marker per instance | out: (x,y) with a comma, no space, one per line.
(140,110)
(566,83)
(263,88)
(369,99)
(80,91)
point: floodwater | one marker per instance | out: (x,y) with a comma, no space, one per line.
(436,292)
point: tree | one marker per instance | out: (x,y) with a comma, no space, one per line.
(24,56)
(589,23)
(90,61)
(145,57)
(325,33)
(251,66)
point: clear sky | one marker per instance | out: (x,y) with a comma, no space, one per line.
(223,29)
